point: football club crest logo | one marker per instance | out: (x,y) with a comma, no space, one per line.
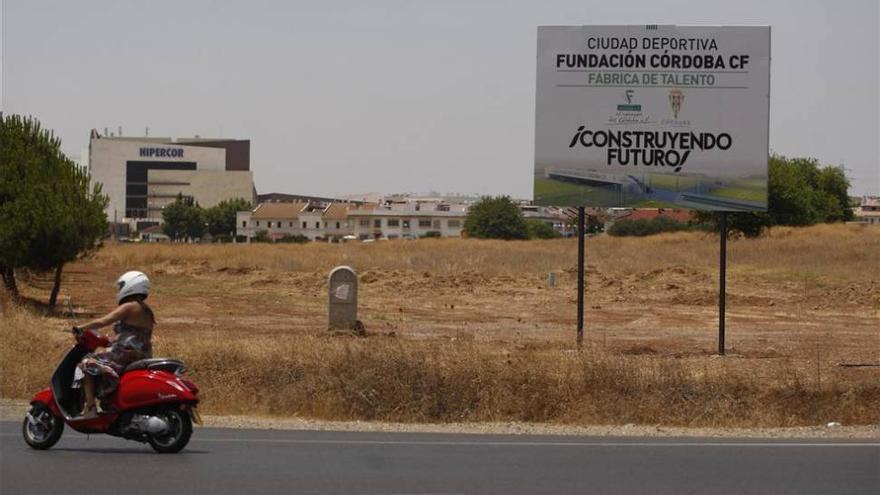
(676,98)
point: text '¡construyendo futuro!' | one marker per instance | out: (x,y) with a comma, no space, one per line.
(650,148)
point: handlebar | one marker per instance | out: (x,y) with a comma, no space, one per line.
(90,339)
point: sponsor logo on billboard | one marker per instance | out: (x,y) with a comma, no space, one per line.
(629,113)
(629,107)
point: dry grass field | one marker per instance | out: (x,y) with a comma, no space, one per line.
(466,330)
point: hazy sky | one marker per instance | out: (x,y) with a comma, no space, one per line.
(354,96)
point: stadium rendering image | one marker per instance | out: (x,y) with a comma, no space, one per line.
(574,185)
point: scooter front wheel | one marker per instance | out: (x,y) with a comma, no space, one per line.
(175,438)
(41,429)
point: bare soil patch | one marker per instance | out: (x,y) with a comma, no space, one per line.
(469,330)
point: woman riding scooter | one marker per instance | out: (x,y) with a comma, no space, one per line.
(133,322)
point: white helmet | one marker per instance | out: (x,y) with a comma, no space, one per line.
(131,283)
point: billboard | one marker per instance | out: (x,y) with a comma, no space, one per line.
(653,116)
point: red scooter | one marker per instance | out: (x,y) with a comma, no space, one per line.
(153,403)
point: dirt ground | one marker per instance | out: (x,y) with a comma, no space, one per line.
(802,302)
(664,310)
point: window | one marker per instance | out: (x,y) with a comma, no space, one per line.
(425,224)
(136,212)
(305,226)
(244,223)
(317,225)
(290,224)
(337,225)
(377,223)
(453,224)
(364,223)
(258,223)
(394,222)
(136,187)
(406,224)
(436,224)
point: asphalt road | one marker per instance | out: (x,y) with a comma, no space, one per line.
(227,461)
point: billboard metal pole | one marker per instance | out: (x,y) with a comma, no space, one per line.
(580,271)
(722,282)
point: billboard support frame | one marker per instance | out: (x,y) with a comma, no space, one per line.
(580,278)
(722,280)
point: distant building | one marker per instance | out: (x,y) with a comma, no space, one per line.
(297,198)
(868,211)
(317,221)
(678,215)
(391,217)
(340,221)
(408,220)
(153,234)
(552,216)
(142,175)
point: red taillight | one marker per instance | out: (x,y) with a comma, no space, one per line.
(190,385)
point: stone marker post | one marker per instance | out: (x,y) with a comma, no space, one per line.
(342,310)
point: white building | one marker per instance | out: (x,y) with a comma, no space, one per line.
(142,175)
(408,221)
(313,220)
(336,221)
(868,211)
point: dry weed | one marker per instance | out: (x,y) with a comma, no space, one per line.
(393,379)
(478,333)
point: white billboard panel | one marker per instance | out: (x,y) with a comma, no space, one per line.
(653,116)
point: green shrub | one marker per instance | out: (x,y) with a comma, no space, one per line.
(496,218)
(295,239)
(541,230)
(644,227)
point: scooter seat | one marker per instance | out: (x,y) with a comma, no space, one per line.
(155,364)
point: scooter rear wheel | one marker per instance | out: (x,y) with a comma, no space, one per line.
(41,429)
(179,430)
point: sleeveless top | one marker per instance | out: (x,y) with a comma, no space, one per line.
(134,342)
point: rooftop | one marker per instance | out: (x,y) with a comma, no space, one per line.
(277,210)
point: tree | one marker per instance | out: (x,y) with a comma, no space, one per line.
(834,185)
(49,213)
(496,218)
(541,230)
(799,192)
(183,219)
(790,197)
(221,218)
